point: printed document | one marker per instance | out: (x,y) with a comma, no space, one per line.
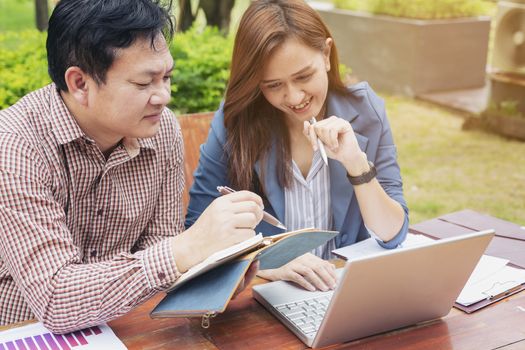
(36,336)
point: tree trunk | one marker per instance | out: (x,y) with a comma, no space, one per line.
(41,14)
(186,16)
(218,13)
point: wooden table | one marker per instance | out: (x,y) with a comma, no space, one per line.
(247,325)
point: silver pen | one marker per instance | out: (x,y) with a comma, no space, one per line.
(320,144)
(272,220)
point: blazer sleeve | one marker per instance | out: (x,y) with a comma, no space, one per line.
(211,171)
(389,174)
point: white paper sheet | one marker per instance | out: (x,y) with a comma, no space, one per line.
(370,246)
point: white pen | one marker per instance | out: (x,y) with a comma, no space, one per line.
(320,144)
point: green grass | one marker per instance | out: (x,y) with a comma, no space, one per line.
(446,169)
(17,15)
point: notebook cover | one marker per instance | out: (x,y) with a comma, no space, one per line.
(289,248)
(206,293)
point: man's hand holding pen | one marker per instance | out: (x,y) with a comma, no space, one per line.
(224,190)
(228,220)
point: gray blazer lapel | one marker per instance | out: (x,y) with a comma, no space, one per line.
(341,192)
(274,192)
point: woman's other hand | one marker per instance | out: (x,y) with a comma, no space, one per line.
(339,140)
(308,271)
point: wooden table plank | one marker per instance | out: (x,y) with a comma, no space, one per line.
(478,222)
(138,331)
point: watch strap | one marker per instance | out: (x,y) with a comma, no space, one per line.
(364,177)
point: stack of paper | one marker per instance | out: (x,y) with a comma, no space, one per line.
(491,279)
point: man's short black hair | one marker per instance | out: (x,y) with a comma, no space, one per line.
(87,33)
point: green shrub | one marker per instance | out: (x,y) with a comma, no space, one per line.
(23,65)
(202,67)
(421,9)
(199,77)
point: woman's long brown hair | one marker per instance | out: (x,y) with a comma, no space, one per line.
(253,123)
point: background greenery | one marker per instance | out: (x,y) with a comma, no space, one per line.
(23,64)
(422,9)
(444,169)
(16,15)
(201,69)
(202,61)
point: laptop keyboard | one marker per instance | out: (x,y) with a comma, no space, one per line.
(307,314)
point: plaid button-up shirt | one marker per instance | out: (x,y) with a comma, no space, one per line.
(83,239)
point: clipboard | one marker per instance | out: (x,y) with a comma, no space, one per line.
(486,302)
(509,243)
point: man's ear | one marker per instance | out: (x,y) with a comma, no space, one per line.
(77,85)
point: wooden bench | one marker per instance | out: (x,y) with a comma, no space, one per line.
(195,129)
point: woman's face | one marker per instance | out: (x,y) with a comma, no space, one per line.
(295,80)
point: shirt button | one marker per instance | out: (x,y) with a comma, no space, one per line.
(93,253)
(100,212)
(161,275)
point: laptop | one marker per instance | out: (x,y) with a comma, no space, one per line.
(379,292)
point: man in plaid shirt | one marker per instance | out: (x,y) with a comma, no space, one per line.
(91,174)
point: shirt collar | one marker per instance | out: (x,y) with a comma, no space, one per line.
(133,146)
(65,127)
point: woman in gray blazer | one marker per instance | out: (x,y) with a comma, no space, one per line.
(320,154)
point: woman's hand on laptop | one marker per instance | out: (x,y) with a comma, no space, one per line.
(308,271)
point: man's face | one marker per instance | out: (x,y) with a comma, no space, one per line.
(136,90)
